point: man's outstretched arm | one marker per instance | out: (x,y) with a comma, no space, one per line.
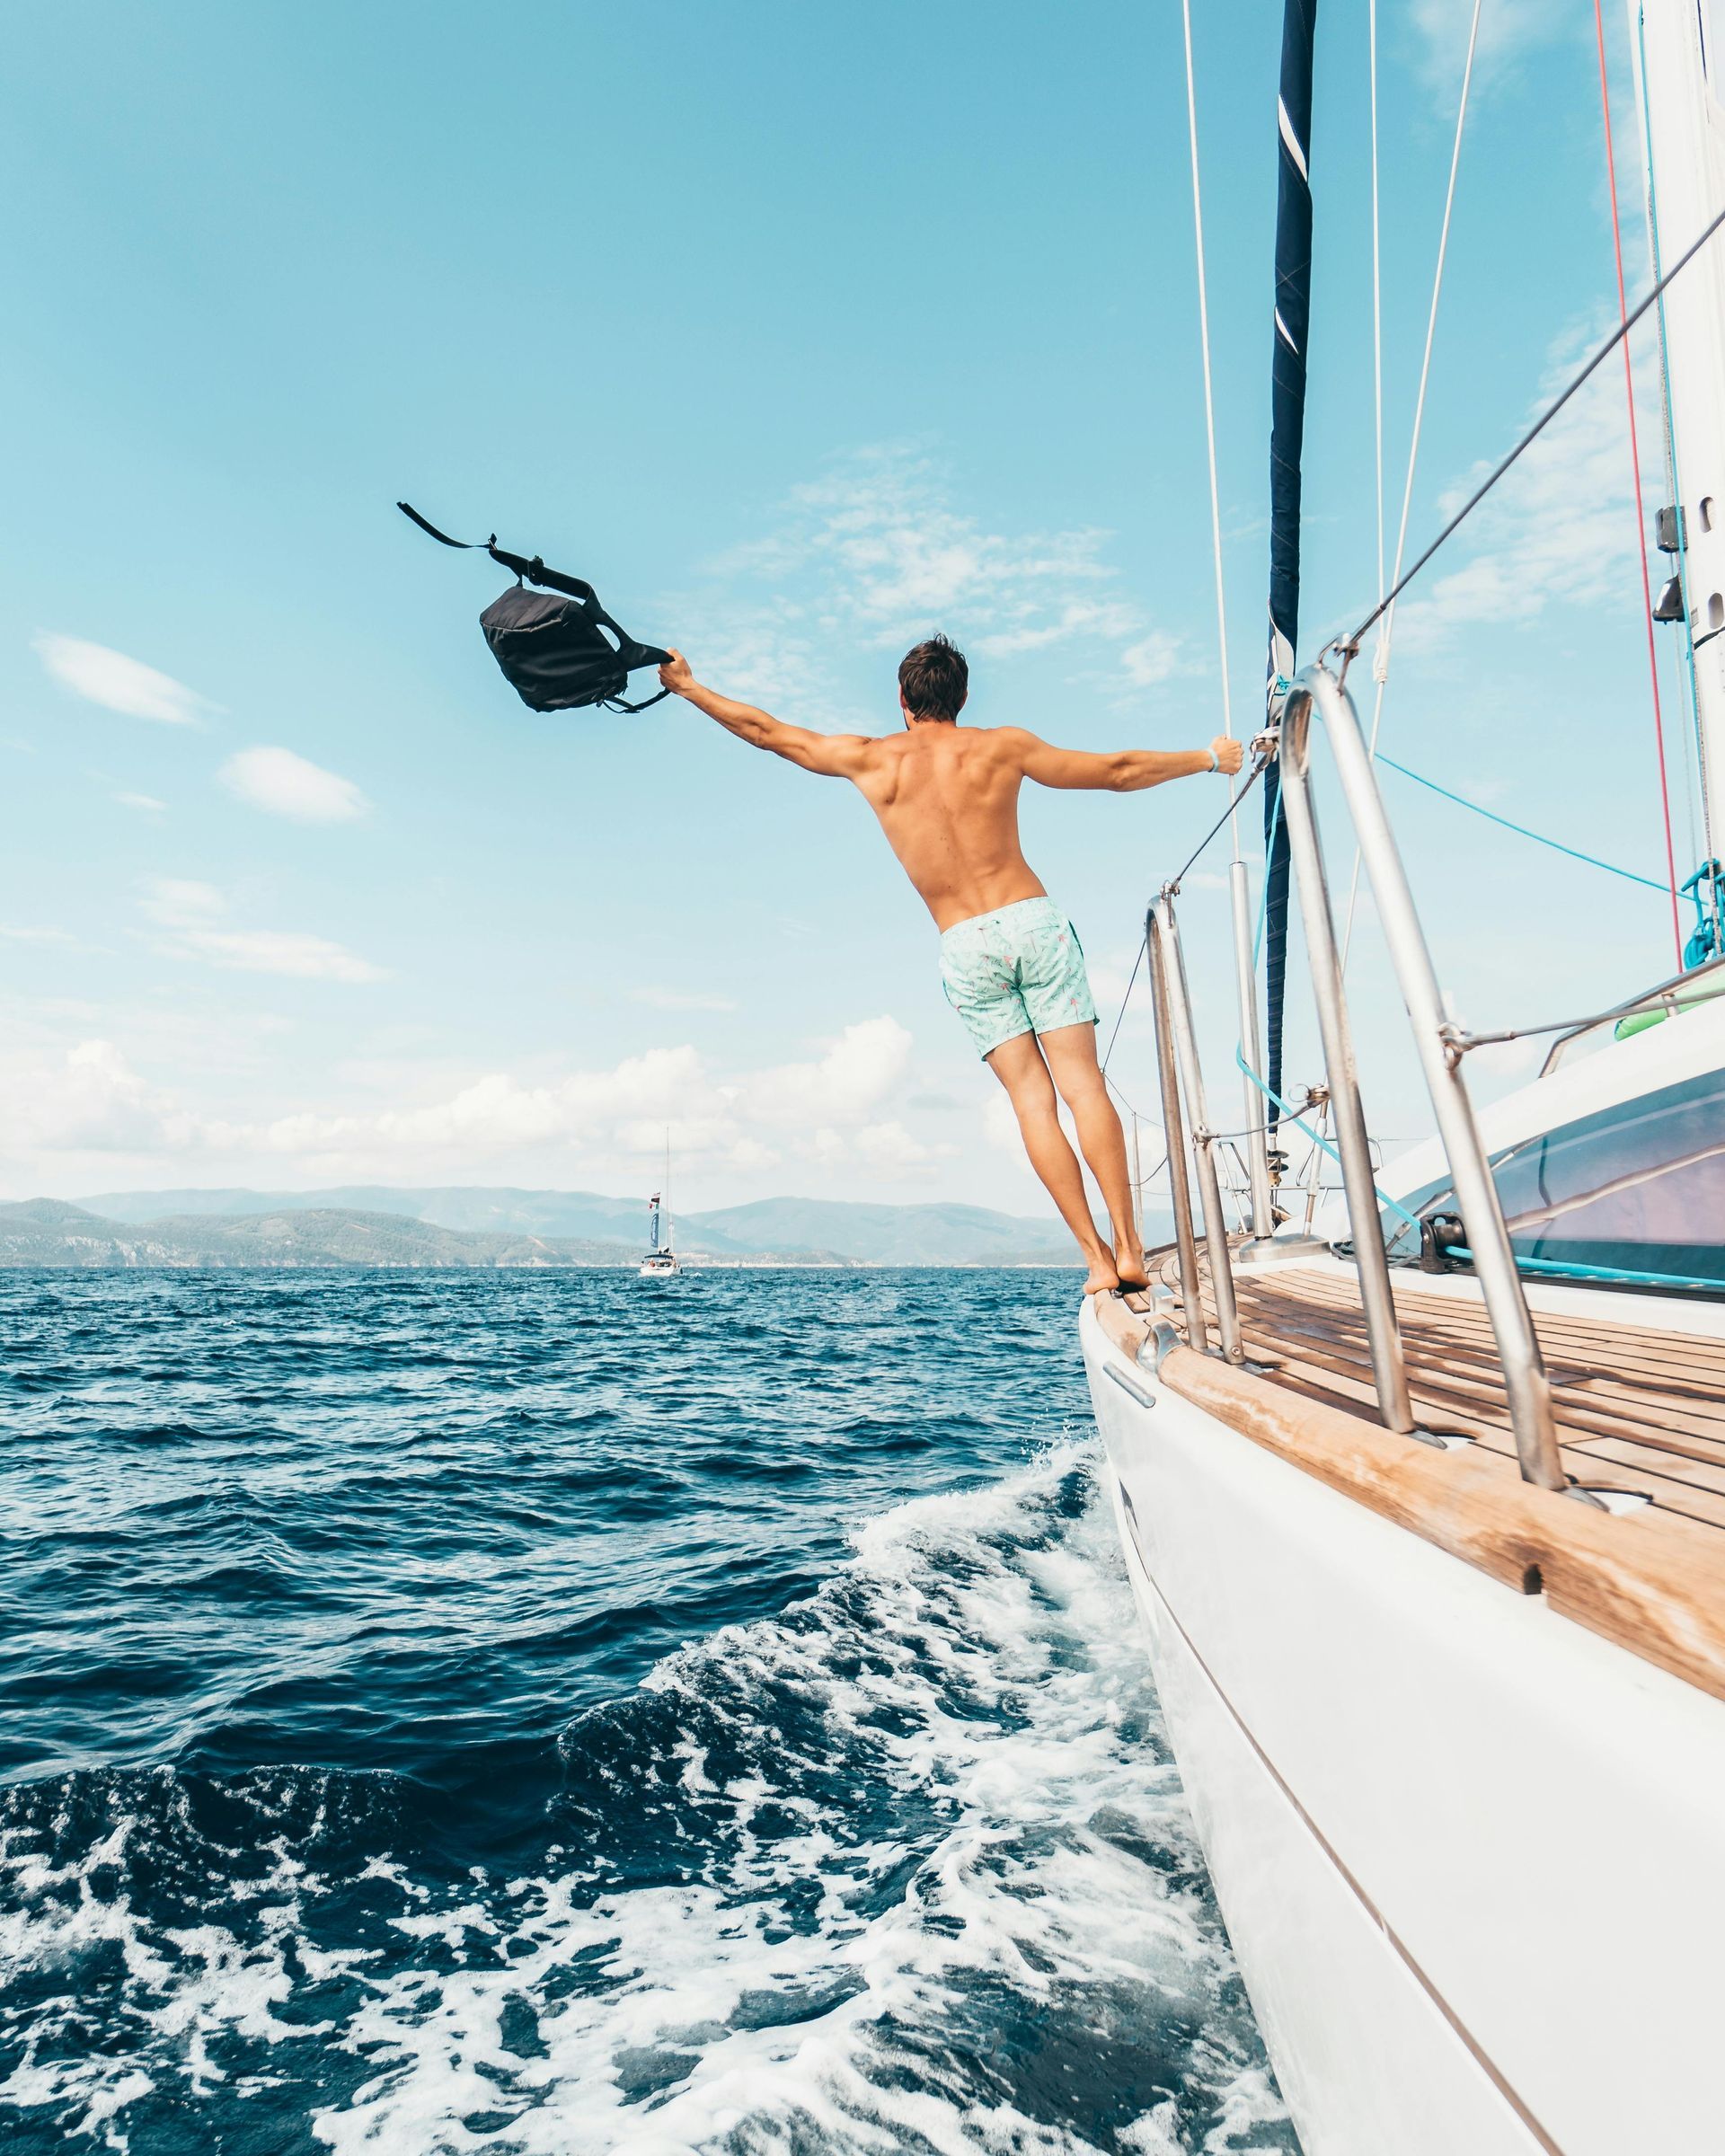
(1123,770)
(831,755)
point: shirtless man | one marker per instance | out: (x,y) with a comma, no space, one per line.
(947,798)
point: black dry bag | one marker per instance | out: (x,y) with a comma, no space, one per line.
(558,654)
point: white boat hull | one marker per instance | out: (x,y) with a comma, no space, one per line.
(1470,1856)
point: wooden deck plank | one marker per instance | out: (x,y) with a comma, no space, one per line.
(1634,1410)
(1641,1408)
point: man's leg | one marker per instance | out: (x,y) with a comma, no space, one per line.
(1018,1065)
(1071,1055)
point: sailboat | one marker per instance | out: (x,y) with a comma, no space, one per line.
(1425,1511)
(661,1261)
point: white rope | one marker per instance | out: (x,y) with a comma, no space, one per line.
(1381,649)
(1209,410)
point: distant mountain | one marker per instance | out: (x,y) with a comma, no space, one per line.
(47,1232)
(868,1234)
(471,1208)
(889,1234)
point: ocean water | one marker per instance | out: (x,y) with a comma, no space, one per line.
(545,1712)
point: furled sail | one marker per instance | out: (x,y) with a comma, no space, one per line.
(1287,437)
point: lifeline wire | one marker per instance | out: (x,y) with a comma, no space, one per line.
(1175,883)
(1557,845)
(1635,467)
(1125,1000)
(1351,643)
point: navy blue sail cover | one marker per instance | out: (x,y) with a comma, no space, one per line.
(1287,441)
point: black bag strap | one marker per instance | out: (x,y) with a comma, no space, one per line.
(630,654)
(443,538)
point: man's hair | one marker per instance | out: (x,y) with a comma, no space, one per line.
(933,679)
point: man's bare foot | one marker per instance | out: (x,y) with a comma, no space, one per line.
(1130,1265)
(1102,1277)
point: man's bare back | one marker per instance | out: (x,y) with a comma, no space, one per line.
(946,795)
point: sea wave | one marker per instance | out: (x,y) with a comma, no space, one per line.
(906,1866)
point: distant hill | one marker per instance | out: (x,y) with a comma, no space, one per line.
(45,1232)
(890,1234)
(473,1209)
(811,1228)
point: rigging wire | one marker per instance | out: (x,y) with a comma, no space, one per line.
(1556,845)
(1350,643)
(1386,628)
(1635,467)
(1210,409)
(1125,1000)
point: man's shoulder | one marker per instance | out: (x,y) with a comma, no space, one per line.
(1008,744)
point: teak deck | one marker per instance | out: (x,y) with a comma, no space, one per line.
(1639,1408)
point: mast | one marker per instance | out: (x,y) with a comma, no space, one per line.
(670,1240)
(1678,78)
(1286,439)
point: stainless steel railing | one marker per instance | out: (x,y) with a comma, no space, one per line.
(1168,963)
(1476,1195)
(1319,692)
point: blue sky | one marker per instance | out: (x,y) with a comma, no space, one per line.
(802,331)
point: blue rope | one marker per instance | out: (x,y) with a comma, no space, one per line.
(1263,896)
(1323,1145)
(1522,831)
(1562,1268)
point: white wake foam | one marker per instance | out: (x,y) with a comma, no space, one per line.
(1009,1663)
(934,1890)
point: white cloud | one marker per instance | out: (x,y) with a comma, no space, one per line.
(144,802)
(875,552)
(1154,659)
(176,903)
(890,1147)
(681,999)
(272,950)
(92,1101)
(1000,1126)
(189,913)
(285,784)
(116,682)
(62,937)
(866,1064)
(1560,528)
(898,555)
(1509,29)
(822,1112)
(1099,618)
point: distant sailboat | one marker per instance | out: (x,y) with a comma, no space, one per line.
(661,1262)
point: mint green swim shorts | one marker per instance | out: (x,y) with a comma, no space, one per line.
(1019,969)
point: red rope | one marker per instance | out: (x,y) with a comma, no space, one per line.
(1635,462)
